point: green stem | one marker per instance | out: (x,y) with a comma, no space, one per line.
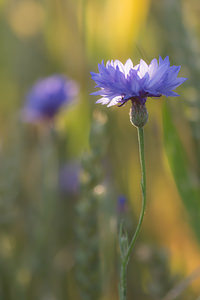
(125,259)
(123,281)
(143,187)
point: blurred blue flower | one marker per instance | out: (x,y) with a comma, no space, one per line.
(119,83)
(69,178)
(47,96)
(121,204)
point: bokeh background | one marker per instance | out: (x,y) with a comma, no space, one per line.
(46,170)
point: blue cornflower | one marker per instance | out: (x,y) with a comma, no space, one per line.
(119,83)
(121,204)
(69,178)
(47,96)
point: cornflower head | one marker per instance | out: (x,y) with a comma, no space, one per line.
(120,83)
(47,96)
(121,204)
(69,179)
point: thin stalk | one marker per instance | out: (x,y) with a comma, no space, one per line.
(143,188)
(123,281)
(125,259)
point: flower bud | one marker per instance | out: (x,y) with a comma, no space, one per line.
(138,114)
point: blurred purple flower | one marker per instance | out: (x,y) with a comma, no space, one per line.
(69,178)
(121,204)
(47,96)
(119,83)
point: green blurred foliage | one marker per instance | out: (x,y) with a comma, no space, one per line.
(186,181)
